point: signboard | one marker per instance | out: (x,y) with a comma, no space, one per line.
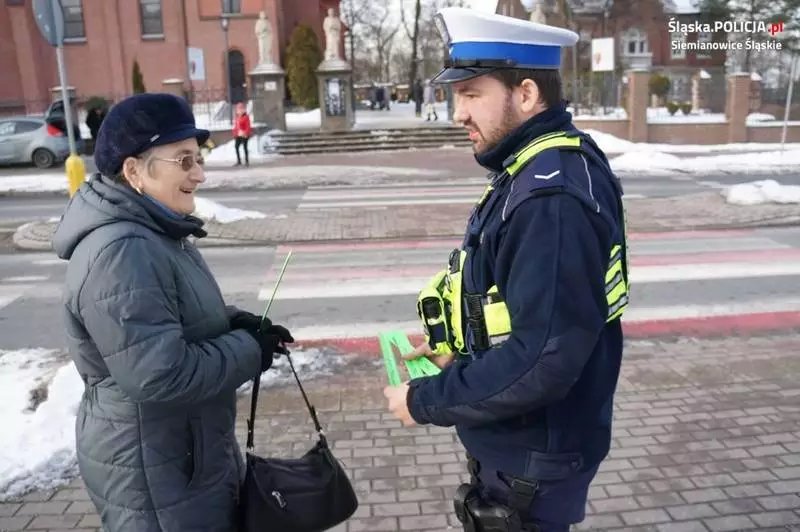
(197,65)
(271,86)
(50,20)
(603,54)
(334,97)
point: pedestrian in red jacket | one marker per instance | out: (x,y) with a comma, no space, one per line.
(241,132)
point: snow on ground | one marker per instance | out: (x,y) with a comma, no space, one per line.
(759,192)
(614,145)
(626,156)
(660,115)
(208,210)
(246,178)
(662,163)
(38,401)
(37,443)
(398,115)
(225,154)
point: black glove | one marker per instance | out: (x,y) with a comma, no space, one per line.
(269,337)
(270,345)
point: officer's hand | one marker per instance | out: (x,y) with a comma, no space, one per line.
(398,403)
(424,350)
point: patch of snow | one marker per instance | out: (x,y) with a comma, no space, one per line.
(646,162)
(226,153)
(757,163)
(308,363)
(37,445)
(614,145)
(760,192)
(304,120)
(760,117)
(33,183)
(398,115)
(208,210)
(754,76)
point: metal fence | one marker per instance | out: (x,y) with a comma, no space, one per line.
(210,106)
(595,95)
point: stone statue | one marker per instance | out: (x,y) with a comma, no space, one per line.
(537,14)
(333,32)
(264,37)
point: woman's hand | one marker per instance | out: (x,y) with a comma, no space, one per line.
(251,322)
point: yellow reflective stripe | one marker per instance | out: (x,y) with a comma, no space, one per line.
(485,194)
(538,146)
(522,157)
(616,287)
(498,320)
(454,286)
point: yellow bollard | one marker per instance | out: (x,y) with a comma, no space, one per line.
(76,172)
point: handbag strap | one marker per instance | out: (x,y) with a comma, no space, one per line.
(254,403)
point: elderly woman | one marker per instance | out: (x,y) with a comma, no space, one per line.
(149,332)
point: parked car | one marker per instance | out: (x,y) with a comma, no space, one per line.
(55,117)
(28,139)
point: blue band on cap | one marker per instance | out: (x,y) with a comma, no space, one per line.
(524,54)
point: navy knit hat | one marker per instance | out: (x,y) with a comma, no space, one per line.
(139,123)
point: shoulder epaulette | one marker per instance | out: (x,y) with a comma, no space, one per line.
(536,170)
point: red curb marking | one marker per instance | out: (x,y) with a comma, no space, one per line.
(715,326)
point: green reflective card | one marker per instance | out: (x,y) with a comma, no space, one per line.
(420,367)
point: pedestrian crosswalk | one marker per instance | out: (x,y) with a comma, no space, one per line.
(349,290)
(673,276)
(11,290)
(465,191)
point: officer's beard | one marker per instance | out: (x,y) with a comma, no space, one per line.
(491,137)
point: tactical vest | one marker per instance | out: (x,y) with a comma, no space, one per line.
(446,312)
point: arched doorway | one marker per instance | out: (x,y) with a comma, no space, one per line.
(236,76)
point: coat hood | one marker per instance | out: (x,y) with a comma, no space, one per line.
(101,201)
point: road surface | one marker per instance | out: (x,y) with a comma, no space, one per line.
(21,208)
(357,290)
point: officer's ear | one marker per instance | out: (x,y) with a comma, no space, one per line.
(529,96)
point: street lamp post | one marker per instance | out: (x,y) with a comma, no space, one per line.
(227,65)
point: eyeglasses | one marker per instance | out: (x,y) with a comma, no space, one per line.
(186,162)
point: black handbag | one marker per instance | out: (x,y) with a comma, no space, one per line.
(307,494)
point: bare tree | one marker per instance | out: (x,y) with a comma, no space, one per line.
(353,14)
(380,31)
(413,36)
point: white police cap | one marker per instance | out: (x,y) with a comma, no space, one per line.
(481,42)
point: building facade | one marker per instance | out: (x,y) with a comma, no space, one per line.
(642,40)
(169,39)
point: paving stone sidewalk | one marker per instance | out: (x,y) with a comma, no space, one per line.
(706,438)
(706,210)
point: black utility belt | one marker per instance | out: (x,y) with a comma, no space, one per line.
(479,515)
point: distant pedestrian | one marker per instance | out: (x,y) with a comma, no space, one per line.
(159,352)
(242,130)
(418,93)
(430,101)
(94,118)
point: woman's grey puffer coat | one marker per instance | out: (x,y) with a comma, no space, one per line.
(149,334)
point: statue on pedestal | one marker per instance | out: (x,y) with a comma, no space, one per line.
(263,33)
(538,15)
(333,31)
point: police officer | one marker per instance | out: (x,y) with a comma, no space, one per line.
(524,320)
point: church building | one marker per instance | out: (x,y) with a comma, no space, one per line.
(169,39)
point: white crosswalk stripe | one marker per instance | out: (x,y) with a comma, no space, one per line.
(10,292)
(393,195)
(672,277)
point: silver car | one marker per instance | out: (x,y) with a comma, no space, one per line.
(25,140)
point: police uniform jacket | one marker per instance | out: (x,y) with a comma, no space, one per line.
(538,405)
